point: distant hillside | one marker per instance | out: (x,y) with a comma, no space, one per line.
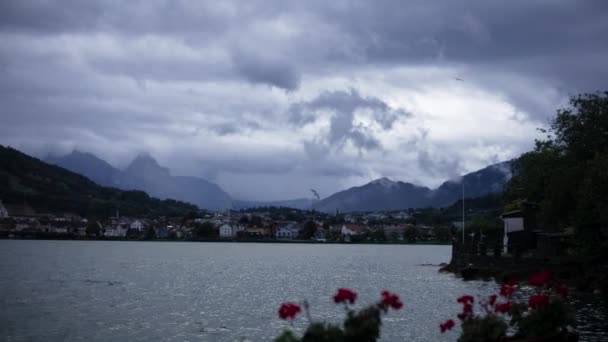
(381,194)
(144,173)
(298,203)
(52,189)
(385,194)
(491,179)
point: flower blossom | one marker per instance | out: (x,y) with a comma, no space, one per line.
(467,310)
(447,325)
(560,290)
(492,299)
(539,279)
(289,310)
(507,290)
(345,295)
(503,307)
(538,300)
(464,299)
(391,299)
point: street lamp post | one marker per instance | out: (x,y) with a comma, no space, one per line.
(463,210)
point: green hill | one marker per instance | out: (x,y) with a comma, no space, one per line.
(51,189)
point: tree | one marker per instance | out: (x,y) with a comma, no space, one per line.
(442,233)
(93,228)
(204,230)
(150,233)
(410,234)
(308,231)
(565,175)
(378,235)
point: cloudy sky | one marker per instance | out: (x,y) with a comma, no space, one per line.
(270,98)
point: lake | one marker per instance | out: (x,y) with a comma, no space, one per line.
(180,291)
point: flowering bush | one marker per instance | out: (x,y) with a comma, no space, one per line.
(545,316)
(363,325)
(546,313)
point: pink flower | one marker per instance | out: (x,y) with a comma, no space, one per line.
(289,310)
(345,295)
(538,300)
(464,299)
(447,325)
(539,279)
(560,290)
(390,300)
(503,307)
(507,290)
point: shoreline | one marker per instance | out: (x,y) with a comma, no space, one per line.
(270,241)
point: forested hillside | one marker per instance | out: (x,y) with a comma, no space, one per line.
(52,189)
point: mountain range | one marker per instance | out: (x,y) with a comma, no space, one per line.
(52,189)
(385,194)
(144,173)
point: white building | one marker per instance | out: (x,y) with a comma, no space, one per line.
(226,231)
(3,211)
(115,231)
(513,222)
(288,231)
(137,225)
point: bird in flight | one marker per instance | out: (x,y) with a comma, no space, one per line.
(458,79)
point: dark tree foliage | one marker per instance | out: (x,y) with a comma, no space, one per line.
(566,175)
(308,231)
(205,230)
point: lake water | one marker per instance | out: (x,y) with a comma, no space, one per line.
(151,291)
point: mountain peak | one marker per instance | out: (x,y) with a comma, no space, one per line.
(384,182)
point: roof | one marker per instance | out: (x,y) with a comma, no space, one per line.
(514,213)
(19,210)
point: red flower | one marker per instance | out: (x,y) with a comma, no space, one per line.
(462,316)
(507,290)
(539,279)
(492,299)
(390,299)
(560,290)
(289,310)
(345,295)
(467,308)
(447,325)
(537,301)
(464,299)
(503,307)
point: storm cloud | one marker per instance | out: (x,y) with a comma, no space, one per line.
(271,98)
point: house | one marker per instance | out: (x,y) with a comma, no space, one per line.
(257,231)
(518,234)
(287,231)
(226,231)
(115,231)
(352,229)
(163,232)
(3,211)
(394,232)
(137,225)
(19,210)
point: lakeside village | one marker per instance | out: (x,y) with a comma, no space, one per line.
(260,224)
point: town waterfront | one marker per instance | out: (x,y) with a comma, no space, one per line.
(179,291)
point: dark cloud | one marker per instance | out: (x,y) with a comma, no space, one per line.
(434,164)
(255,90)
(343,128)
(277,72)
